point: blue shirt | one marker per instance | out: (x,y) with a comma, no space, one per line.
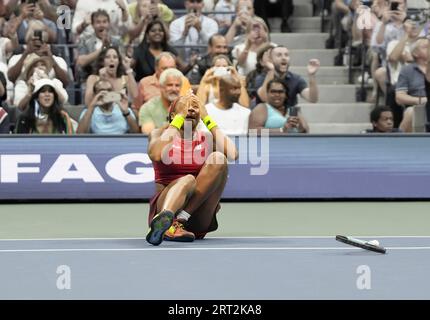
(295,83)
(274,118)
(108,123)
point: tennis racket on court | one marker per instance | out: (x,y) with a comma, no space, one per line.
(360,243)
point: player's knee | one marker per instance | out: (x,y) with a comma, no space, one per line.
(218,160)
(188,182)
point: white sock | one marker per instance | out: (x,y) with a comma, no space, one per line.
(183,215)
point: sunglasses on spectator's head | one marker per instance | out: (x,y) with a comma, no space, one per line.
(195,1)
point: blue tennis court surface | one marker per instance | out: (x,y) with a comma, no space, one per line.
(215,268)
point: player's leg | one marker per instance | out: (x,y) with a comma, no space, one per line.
(170,201)
(204,203)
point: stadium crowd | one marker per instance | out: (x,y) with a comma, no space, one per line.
(124,62)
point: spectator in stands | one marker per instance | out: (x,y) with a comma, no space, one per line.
(245,54)
(175,4)
(36,47)
(4,110)
(244,12)
(30,12)
(224,19)
(410,87)
(389,28)
(4,115)
(90,46)
(208,91)
(3,89)
(34,69)
(280,63)
(217,45)
(115,9)
(399,54)
(153,114)
(231,117)
(194,28)
(273,115)
(115,69)
(8,41)
(107,113)
(341,21)
(262,68)
(45,113)
(382,120)
(149,87)
(275,8)
(143,12)
(154,42)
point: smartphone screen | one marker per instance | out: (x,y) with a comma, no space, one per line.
(394,6)
(293,111)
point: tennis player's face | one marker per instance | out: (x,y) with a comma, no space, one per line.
(385,122)
(193,114)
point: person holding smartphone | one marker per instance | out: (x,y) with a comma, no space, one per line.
(107,113)
(274,116)
(194,28)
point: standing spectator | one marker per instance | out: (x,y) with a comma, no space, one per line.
(280,63)
(153,44)
(232,118)
(217,45)
(45,113)
(30,12)
(236,32)
(107,115)
(149,86)
(257,34)
(115,69)
(193,28)
(153,114)
(115,9)
(224,19)
(91,46)
(143,12)
(273,115)
(275,8)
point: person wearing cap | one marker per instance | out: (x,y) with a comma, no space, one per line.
(191,172)
(108,112)
(34,68)
(44,113)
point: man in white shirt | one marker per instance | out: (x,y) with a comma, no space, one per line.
(118,16)
(231,117)
(192,28)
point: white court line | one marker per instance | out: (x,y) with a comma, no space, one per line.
(201,249)
(212,238)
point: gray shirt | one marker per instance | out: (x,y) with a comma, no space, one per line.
(411,80)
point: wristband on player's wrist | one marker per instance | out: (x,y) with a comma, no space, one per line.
(178,122)
(209,122)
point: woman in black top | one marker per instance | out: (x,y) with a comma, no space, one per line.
(154,42)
